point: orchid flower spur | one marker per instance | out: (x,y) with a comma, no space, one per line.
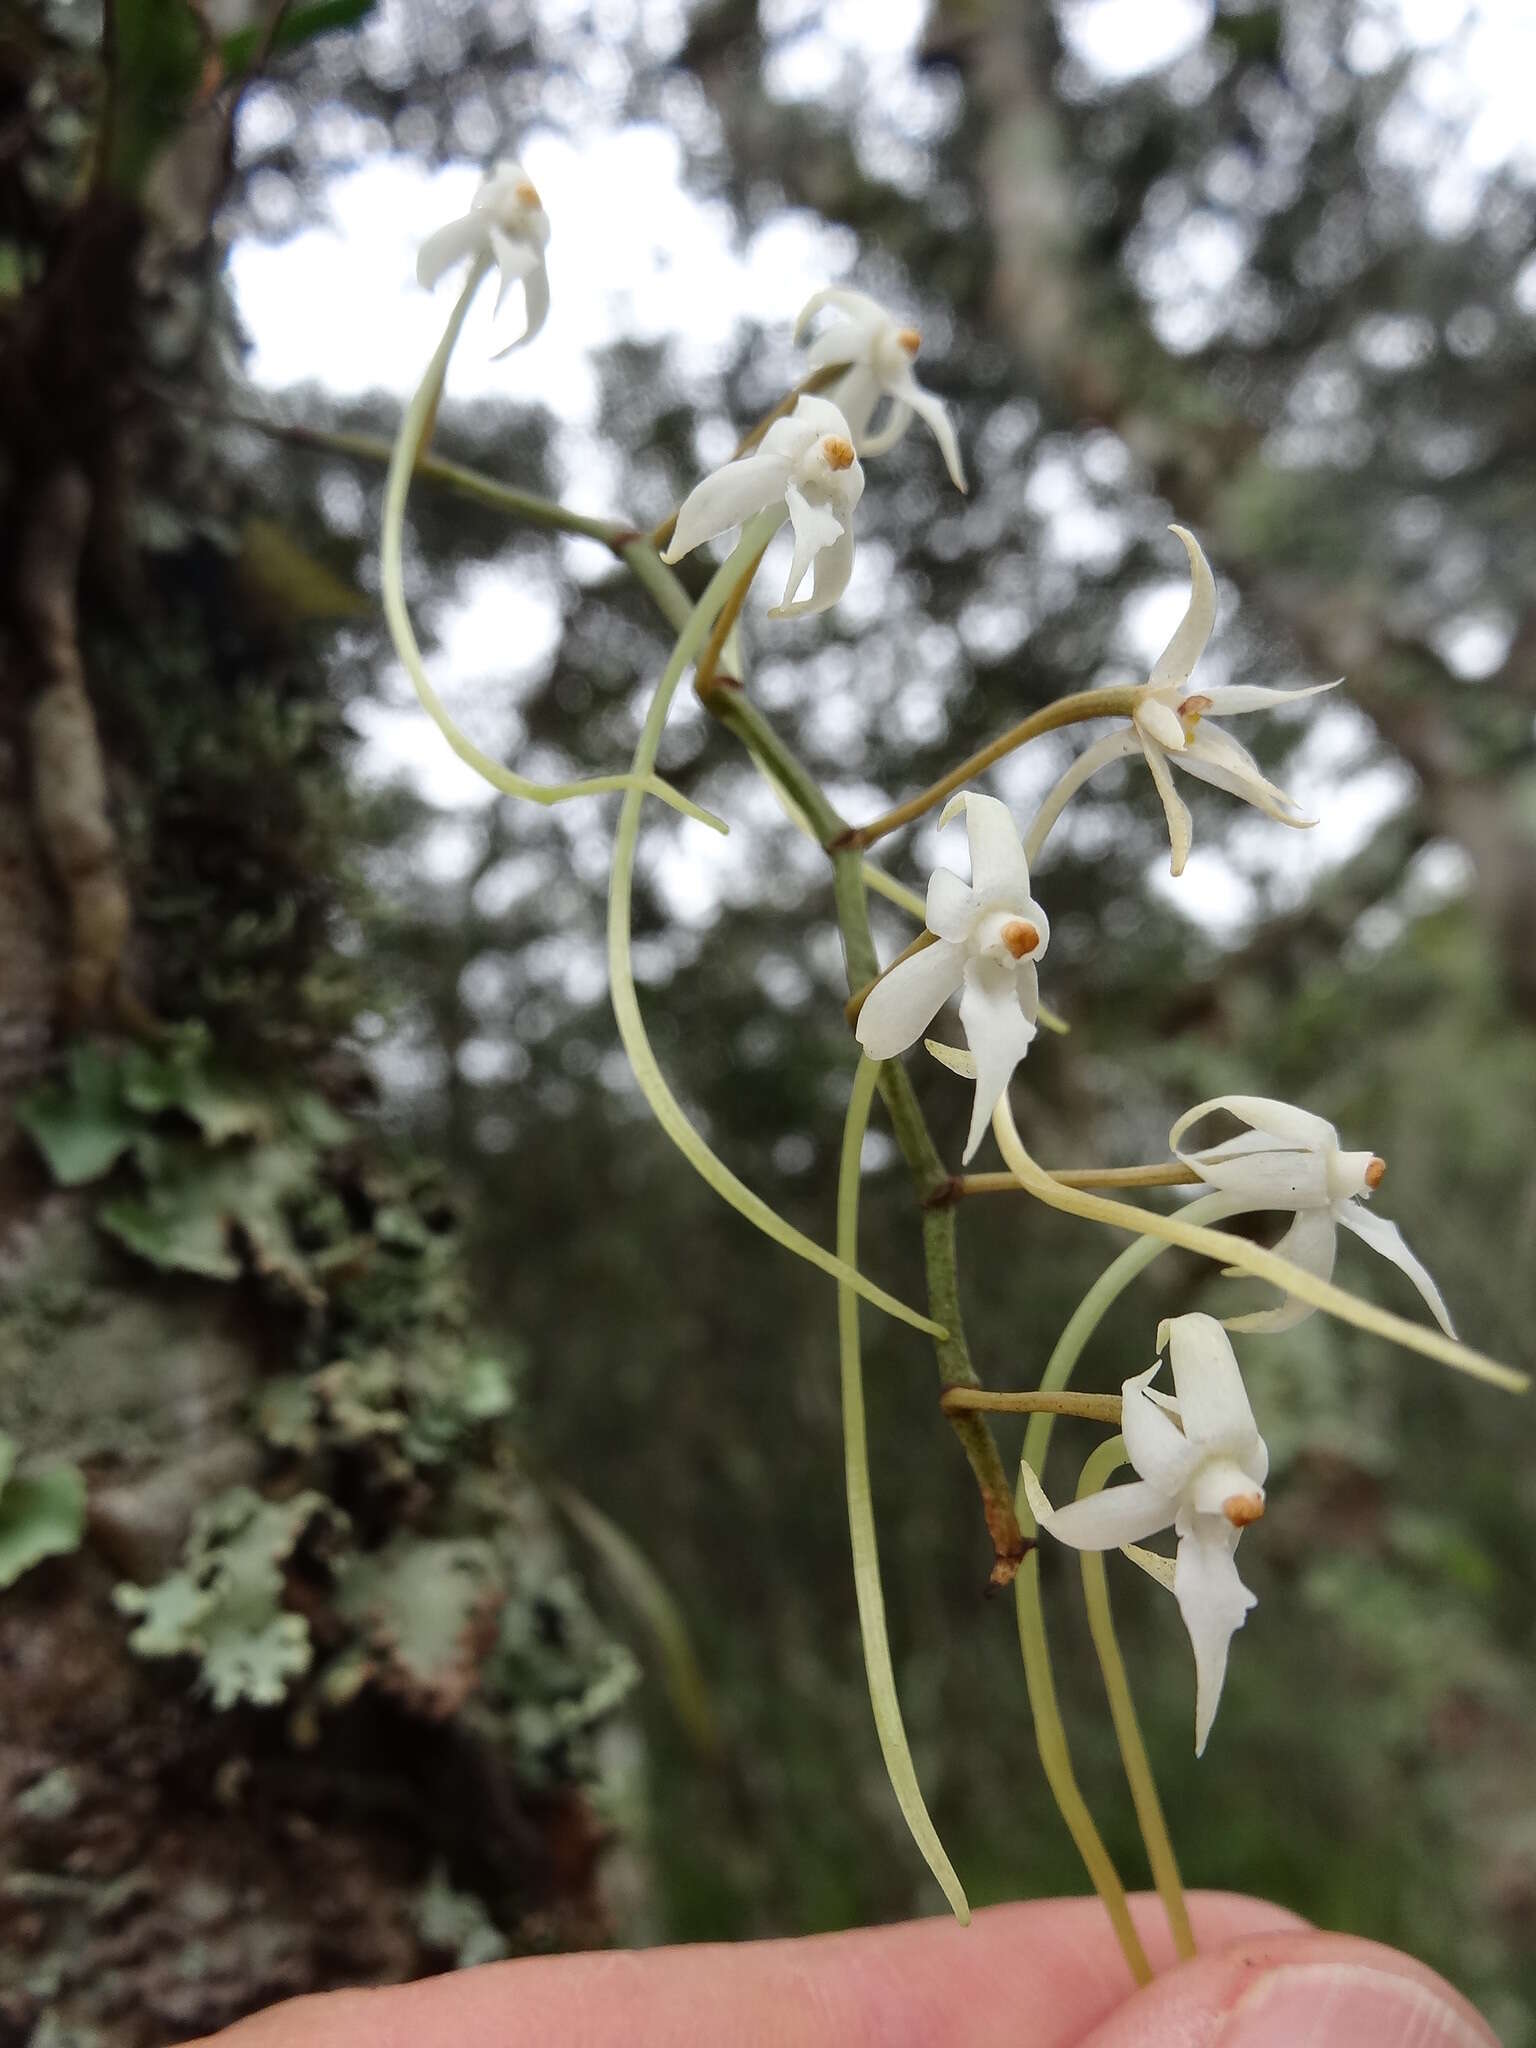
(1201,1466)
(988,935)
(1290,1159)
(808,460)
(506,225)
(876,356)
(1172,723)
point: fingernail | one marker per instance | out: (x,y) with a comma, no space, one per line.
(1348,2005)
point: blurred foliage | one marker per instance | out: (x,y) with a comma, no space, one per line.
(1348,413)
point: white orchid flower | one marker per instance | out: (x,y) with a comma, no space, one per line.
(989,933)
(808,460)
(878,357)
(1201,1467)
(1172,723)
(506,225)
(1290,1159)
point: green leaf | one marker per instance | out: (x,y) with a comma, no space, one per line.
(300,25)
(80,1126)
(290,583)
(42,1514)
(159,57)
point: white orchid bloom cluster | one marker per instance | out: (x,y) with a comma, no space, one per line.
(1201,1466)
(506,225)
(811,459)
(1200,1462)
(876,356)
(808,461)
(988,934)
(1290,1159)
(1173,724)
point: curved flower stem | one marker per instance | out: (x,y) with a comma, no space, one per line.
(802,797)
(1056,1760)
(1073,710)
(626,1003)
(1086,1407)
(1133,1750)
(1228,1250)
(861,1513)
(414,426)
(1158,1175)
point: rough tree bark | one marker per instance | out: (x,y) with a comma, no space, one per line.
(306,1695)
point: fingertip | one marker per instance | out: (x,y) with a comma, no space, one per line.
(1296,1988)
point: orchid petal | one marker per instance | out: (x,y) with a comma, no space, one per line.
(1114,746)
(1283,1121)
(1154,1442)
(997,1032)
(897,421)
(856,394)
(1175,810)
(514,260)
(904,1002)
(728,497)
(1383,1236)
(1214,1603)
(1230,700)
(834,566)
(1178,658)
(859,307)
(1213,1402)
(820,414)
(999,871)
(1249,787)
(449,245)
(816,527)
(952,906)
(1311,1243)
(1160,722)
(934,414)
(1102,1521)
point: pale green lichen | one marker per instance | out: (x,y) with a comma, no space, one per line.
(225,1606)
(42,1514)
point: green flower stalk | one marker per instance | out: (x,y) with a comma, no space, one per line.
(861,1514)
(667,1110)
(414,426)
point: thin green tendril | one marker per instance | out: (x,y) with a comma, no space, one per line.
(413,428)
(1122,1707)
(626,1003)
(861,1515)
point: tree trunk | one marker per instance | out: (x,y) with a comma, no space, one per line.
(297,1689)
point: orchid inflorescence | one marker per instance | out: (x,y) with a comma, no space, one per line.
(1199,1458)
